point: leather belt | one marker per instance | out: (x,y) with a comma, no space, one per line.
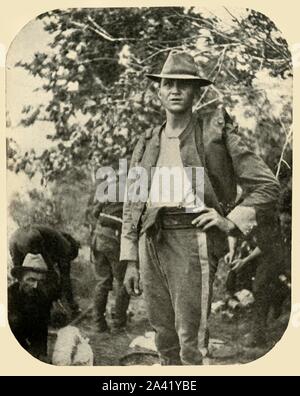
(177,218)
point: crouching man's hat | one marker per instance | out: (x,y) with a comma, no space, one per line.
(32,262)
(180,66)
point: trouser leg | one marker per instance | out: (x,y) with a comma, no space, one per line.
(104,285)
(189,278)
(122,298)
(121,305)
(177,281)
(159,304)
(263,291)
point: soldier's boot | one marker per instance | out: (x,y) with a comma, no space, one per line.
(121,306)
(204,342)
(100,301)
(171,359)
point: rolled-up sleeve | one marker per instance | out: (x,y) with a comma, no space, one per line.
(244,217)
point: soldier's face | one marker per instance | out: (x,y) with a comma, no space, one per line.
(30,281)
(177,96)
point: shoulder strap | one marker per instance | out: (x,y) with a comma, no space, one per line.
(141,145)
(199,139)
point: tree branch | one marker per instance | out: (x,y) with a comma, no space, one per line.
(198,106)
(267,41)
(219,64)
(232,16)
(101,32)
(287,141)
(159,52)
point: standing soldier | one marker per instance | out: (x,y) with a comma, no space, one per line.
(258,266)
(106,217)
(174,245)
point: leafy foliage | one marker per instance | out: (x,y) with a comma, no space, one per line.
(101,101)
(54,208)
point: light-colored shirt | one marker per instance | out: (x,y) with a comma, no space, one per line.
(170,184)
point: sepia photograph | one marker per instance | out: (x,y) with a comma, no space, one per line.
(149,186)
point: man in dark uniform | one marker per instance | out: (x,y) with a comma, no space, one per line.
(57,248)
(259,266)
(29,304)
(106,220)
(175,245)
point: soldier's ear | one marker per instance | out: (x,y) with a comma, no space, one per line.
(158,93)
(158,89)
(196,99)
(197,91)
(197,94)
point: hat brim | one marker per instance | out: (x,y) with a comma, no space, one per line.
(157,77)
(19,270)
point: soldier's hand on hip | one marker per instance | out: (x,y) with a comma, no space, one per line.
(209,217)
(132,279)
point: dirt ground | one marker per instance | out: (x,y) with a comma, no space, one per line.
(113,348)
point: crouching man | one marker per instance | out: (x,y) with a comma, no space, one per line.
(57,248)
(29,304)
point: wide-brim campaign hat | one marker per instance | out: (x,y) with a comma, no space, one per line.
(32,262)
(180,65)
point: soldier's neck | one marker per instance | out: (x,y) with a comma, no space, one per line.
(176,123)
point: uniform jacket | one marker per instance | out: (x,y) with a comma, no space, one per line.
(105,231)
(227,161)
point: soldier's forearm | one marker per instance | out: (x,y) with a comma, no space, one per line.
(254,254)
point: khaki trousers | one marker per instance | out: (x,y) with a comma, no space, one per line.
(177,274)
